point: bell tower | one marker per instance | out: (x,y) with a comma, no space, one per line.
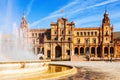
(106,29)
(23,27)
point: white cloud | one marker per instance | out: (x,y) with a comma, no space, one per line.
(65,7)
(93,6)
(72,9)
(117,26)
(87,19)
(115,15)
(56,13)
(8,13)
(29,7)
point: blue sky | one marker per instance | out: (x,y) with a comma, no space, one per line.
(40,13)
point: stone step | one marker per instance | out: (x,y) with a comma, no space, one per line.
(78,58)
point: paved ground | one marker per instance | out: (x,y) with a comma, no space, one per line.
(93,70)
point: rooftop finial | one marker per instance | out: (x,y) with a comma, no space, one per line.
(24,14)
(106,12)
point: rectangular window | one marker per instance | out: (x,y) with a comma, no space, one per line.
(32,34)
(106,39)
(33,41)
(78,41)
(38,50)
(94,40)
(36,34)
(87,40)
(55,32)
(68,32)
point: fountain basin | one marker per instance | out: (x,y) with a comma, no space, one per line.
(34,70)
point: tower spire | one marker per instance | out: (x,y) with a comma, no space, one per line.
(106,19)
(24,21)
(106,12)
(23,17)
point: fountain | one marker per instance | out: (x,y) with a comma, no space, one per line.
(18,62)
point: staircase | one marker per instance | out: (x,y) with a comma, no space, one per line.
(78,58)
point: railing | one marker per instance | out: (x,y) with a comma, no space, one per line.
(58,41)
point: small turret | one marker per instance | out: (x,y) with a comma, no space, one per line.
(106,20)
(24,27)
(24,23)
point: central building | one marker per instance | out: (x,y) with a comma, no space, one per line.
(63,40)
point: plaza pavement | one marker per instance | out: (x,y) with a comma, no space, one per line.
(93,70)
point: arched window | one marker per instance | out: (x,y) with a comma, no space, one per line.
(76,50)
(69,39)
(81,34)
(61,39)
(62,32)
(93,50)
(81,50)
(88,33)
(106,50)
(77,33)
(39,34)
(95,33)
(55,39)
(98,51)
(106,33)
(92,33)
(42,34)
(111,50)
(68,32)
(84,33)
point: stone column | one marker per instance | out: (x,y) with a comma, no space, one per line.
(108,51)
(90,51)
(115,51)
(62,46)
(78,50)
(36,50)
(72,49)
(51,50)
(102,51)
(95,51)
(53,54)
(45,52)
(84,51)
(64,51)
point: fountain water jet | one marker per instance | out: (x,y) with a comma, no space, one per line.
(13,48)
